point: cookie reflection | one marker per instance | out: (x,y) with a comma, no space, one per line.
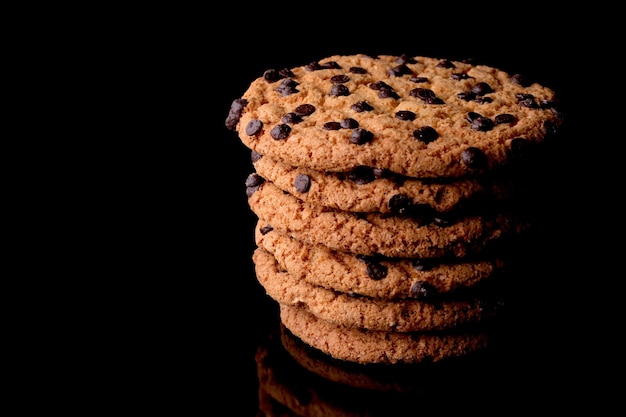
(297,380)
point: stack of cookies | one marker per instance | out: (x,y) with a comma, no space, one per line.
(391,193)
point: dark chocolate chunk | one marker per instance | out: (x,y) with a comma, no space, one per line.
(519,147)
(332,126)
(362,106)
(281,131)
(482,123)
(422,290)
(460,76)
(426,95)
(254,127)
(302,183)
(266,229)
(349,123)
(474,158)
(425,134)
(405,115)
(375,270)
(287,87)
(399,71)
(362,175)
(481,89)
(361,136)
(234,114)
(291,118)
(400,204)
(253,182)
(418,79)
(519,79)
(373,267)
(358,70)
(423,264)
(255,156)
(479,122)
(446,63)
(505,118)
(304,110)
(339,90)
(339,79)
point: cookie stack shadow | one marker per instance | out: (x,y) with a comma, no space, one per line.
(371,266)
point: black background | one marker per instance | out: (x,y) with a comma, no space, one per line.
(156,302)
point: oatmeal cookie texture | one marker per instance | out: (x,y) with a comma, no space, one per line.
(391,193)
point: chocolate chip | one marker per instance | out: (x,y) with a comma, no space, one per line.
(339,79)
(505,118)
(376,271)
(265,229)
(302,183)
(362,106)
(291,118)
(361,175)
(339,90)
(399,71)
(253,182)
(272,75)
(349,123)
(483,100)
(460,76)
(313,66)
(519,147)
(405,59)
(332,126)
(482,123)
(287,87)
(418,79)
(330,65)
(361,136)
(446,63)
(234,114)
(474,158)
(380,85)
(304,110)
(281,131)
(254,127)
(425,134)
(426,95)
(466,95)
(479,122)
(255,156)
(527,100)
(423,264)
(519,79)
(400,204)
(373,267)
(405,115)
(358,70)
(481,89)
(422,290)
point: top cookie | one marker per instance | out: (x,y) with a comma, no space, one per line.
(420,117)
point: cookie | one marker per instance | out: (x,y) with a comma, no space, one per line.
(419,378)
(375,276)
(367,190)
(420,117)
(399,315)
(357,345)
(378,234)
